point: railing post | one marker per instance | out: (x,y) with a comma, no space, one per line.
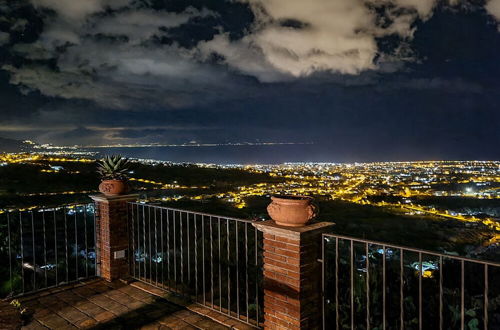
(292,275)
(112,238)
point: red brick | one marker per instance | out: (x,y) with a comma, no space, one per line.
(275,256)
(292,281)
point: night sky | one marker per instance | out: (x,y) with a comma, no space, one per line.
(360,79)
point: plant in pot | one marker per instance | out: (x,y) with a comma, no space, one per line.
(291,210)
(113,171)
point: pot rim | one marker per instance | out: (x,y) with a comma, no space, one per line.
(115,180)
(292,198)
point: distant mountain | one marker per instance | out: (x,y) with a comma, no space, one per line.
(11,145)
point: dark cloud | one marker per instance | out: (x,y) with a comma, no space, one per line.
(362,80)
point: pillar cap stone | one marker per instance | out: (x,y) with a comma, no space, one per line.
(118,198)
(270,227)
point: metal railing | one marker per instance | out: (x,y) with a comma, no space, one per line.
(45,248)
(368,285)
(214,260)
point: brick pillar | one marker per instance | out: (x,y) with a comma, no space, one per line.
(292,275)
(112,240)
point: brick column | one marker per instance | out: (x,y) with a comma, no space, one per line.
(292,275)
(112,240)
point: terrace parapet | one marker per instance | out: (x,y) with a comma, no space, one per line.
(112,236)
(292,275)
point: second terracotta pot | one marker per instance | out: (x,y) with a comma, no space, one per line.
(292,211)
(113,187)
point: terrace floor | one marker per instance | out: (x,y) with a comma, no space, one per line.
(98,304)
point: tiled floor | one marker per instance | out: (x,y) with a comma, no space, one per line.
(102,305)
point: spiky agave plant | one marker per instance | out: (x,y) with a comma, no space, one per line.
(113,167)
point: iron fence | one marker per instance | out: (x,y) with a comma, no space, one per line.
(373,285)
(214,260)
(46,247)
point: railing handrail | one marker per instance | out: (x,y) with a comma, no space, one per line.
(43,208)
(417,250)
(194,212)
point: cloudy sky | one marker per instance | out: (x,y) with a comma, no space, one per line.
(361,79)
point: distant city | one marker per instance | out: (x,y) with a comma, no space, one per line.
(448,192)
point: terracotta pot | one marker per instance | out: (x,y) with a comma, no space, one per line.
(291,211)
(113,187)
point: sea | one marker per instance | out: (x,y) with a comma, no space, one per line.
(225,154)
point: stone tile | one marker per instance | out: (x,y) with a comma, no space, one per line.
(182,313)
(136,304)
(88,323)
(72,314)
(48,300)
(136,293)
(53,321)
(177,324)
(90,308)
(152,326)
(83,292)
(209,324)
(108,304)
(68,296)
(104,316)
(34,325)
(40,312)
(192,319)
(169,320)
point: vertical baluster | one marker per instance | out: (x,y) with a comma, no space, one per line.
(323,239)
(256,276)
(228,270)
(219,258)
(336,283)
(182,247)
(384,288)
(486,287)
(168,249)
(162,251)
(196,256)
(188,233)
(237,273)
(10,255)
(203,255)
(175,252)
(440,292)
(76,243)
(22,248)
(352,282)
(462,294)
(66,242)
(246,268)
(421,274)
(44,247)
(144,275)
(34,249)
(211,263)
(401,285)
(156,247)
(139,250)
(95,241)
(86,243)
(150,243)
(367,251)
(132,218)
(55,245)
